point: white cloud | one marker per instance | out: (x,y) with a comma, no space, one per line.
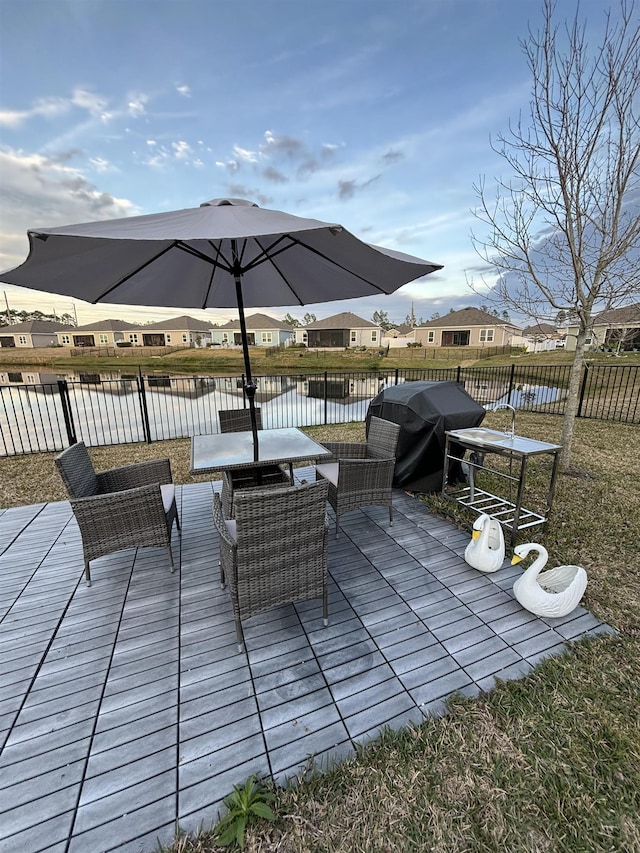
(181,150)
(40,192)
(137,105)
(100,165)
(245,154)
(183,90)
(46,107)
(50,108)
(89,101)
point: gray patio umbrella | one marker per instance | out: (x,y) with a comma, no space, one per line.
(226,253)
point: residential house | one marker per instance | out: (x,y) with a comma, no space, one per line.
(262,331)
(617,328)
(177,332)
(469,327)
(31,333)
(398,336)
(341,331)
(101,333)
(540,337)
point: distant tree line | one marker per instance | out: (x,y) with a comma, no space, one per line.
(25,316)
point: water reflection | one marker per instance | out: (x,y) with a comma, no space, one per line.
(102,408)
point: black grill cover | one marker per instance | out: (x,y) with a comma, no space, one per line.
(424,411)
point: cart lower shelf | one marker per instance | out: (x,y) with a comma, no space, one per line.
(502,510)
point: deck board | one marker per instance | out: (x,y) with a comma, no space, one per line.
(125,707)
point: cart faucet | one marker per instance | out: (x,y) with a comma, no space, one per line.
(512,431)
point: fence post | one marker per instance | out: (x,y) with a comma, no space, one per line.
(396,378)
(325,397)
(142,396)
(511,375)
(65,401)
(458,374)
(583,386)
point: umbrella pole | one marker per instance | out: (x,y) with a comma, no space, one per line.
(249,385)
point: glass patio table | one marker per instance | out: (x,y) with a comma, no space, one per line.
(230,450)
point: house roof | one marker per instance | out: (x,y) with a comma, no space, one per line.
(258,321)
(346,320)
(467,317)
(34,327)
(105,326)
(545,329)
(178,324)
(628,315)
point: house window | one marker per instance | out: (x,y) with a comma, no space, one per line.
(103,339)
(354,337)
(133,337)
(486,336)
(66,339)
(267,337)
(374,336)
(431,336)
(225,337)
(22,339)
(168,338)
(184,338)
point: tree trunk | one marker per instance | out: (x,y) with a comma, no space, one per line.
(573,401)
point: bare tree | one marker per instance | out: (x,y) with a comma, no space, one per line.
(564,229)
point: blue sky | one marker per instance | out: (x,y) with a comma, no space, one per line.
(376,115)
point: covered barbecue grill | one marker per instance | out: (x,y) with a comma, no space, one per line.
(424,410)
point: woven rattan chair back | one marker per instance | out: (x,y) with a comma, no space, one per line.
(382,438)
(238,420)
(76,469)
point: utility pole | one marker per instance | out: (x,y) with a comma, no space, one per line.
(9,321)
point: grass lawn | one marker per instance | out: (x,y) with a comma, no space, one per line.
(549,763)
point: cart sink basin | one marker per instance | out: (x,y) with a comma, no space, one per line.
(500,441)
(480,435)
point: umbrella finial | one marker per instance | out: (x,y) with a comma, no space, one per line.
(224,202)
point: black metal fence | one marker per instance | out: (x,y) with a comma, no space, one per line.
(50,416)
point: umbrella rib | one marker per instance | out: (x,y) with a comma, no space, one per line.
(266,256)
(191,250)
(134,272)
(214,267)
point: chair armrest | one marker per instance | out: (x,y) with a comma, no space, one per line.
(345,450)
(132,476)
(219,522)
(120,513)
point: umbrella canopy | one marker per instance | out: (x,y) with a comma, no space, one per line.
(226,253)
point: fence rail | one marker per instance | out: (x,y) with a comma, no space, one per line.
(50,416)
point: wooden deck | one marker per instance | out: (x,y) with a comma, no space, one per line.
(126,709)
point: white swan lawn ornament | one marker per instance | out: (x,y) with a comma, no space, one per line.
(555,592)
(485,552)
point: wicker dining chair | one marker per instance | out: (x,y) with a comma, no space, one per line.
(275,550)
(239,420)
(127,507)
(361,473)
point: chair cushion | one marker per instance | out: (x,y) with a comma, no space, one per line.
(231,527)
(329,471)
(168,494)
